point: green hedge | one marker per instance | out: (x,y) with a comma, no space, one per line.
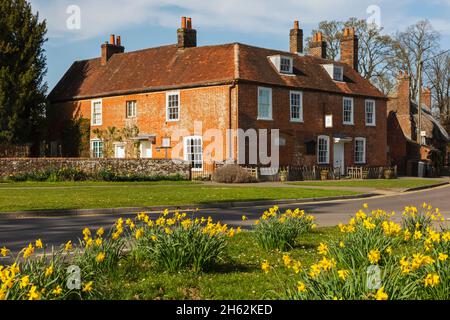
(70,174)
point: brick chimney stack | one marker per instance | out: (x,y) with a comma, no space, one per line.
(187,36)
(111,48)
(296,38)
(318,47)
(403,94)
(426,98)
(349,48)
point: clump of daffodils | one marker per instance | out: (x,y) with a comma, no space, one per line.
(175,241)
(405,263)
(276,230)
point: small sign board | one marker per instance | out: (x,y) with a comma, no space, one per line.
(329,121)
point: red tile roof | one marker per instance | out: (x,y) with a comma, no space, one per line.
(167,67)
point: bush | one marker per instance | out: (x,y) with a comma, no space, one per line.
(233,174)
(111,176)
(280,231)
(177,242)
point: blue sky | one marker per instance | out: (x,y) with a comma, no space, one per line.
(149,23)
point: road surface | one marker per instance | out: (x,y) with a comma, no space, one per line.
(17,233)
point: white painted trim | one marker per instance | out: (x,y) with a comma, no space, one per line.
(92,148)
(327,138)
(185,139)
(301,119)
(365,150)
(374,124)
(352,122)
(270,118)
(92,112)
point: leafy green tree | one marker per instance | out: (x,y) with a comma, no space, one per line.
(22,71)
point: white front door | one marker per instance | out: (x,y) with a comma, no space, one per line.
(120,152)
(339,157)
(146,150)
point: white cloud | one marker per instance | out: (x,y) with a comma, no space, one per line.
(101,17)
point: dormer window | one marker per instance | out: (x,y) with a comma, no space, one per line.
(283,64)
(335,72)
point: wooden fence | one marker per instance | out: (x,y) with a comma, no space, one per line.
(299,173)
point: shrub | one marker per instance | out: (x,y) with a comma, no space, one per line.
(280,231)
(111,176)
(177,242)
(233,174)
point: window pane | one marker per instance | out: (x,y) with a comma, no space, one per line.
(264,103)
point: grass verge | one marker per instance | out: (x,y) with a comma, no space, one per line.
(378,184)
(80,196)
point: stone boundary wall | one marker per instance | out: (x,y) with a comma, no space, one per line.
(147,167)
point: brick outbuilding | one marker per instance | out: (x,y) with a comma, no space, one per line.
(161,102)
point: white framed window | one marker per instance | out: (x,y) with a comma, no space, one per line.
(97,112)
(193,152)
(264,103)
(296,98)
(338,73)
(370,113)
(348,112)
(173,106)
(323,150)
(360,150)
(286,64)
(97,148)
(131,109)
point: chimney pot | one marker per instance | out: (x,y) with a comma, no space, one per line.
(187,37)
(318,47)
(189,23)
(183,23)
(296,25)
(112,39)
(119,41)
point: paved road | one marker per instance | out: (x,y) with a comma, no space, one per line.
(15,234)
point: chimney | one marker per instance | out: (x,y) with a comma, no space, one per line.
(318,47)
(187,37)
(296,39)
(349,48)
(111,48)
(403,94)
(426,98)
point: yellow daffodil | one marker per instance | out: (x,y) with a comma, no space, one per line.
(100,232)
(100,257)
(68,246)
(432,280)
(39,244)
(301,287)
(57,291)
(88,287)
(265,267)
(244,218)
(4,252)
(443,257)
(287,260)
(374,256)
(381,295)
(323,249)
(24,282)
(139,233)
(28,252)
(343,274)
(33,294)
(49,271)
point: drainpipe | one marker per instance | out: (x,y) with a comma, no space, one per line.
(230,118)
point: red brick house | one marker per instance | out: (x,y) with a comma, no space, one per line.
(326,112)
(405,149)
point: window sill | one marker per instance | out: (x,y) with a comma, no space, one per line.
(348,124)
(370,125)
(264,119)
(167,120)
(297,121)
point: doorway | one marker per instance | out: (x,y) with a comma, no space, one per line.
(120,151)
(146,150)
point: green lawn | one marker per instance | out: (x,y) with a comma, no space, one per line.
(379,184)
(237,277)
(44,196)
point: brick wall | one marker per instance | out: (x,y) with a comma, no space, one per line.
(316,105)
(93,166)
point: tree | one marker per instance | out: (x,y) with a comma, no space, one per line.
(22,71)
(418,42)
(437,71)
(375,49)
